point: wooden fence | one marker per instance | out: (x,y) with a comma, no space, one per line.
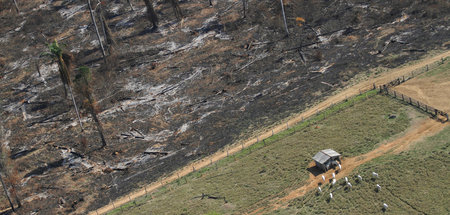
(418,104)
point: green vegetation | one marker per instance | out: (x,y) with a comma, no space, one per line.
(442,71)
(413,182)
(268,168)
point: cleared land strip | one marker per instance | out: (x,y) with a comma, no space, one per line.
(424,128)
(349,92)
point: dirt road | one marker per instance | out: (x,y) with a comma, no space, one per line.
(419,130)
(349,92)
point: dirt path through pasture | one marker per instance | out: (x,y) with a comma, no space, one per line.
(423,128)
(348,92)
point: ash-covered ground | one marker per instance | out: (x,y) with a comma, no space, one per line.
(174,95)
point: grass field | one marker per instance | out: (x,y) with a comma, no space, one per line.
(413,182)
(269,169)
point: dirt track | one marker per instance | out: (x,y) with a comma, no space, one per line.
(423,128)
(349,92)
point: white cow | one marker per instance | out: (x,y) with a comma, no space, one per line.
(378,187)
(323,178)
(319,189)
(375,175)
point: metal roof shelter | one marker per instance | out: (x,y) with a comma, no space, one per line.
(326,158)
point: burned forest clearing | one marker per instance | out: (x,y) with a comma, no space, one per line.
(101,98)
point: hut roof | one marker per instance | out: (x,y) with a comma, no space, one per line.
(324,155)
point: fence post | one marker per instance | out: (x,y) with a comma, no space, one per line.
(427,67)
(446,114)
(410,100)
(193,168)
(403,98)
(435,112)
(418,104)
(395,94)
(272,132)
(374,86)
(426,108)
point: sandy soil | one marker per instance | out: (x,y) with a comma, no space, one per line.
(349,92)
(419,130)
(432,90)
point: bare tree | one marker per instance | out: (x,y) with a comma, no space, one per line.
(17,6)
(131,6)
(96,29)
(176,9)
(284,18)
(83,86)
(109,38)
(6,172)
(244,7)
(151,14)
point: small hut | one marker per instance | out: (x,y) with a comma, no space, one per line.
(326,159)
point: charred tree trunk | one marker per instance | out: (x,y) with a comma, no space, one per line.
(16,197)
(244,4)
(76,108)
(284,18)
(176,9)
(131,6)
(110,41)
(6,193)
(96,30)
(17,6)
(97,121)
(151,14)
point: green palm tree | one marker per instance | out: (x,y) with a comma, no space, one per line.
(64,64)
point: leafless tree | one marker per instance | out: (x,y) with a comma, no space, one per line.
(176,9)
(96,29)
(109,38)
(83,86)
(151,14)
(8,176)
(17,6)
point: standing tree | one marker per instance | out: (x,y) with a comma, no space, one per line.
(109,38)
(17,6)
(83,86)
(151,14)
(176,9)
(64,63)
(96,29)
(7,174)
(131,6)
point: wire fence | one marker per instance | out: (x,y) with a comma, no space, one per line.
(318,115)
